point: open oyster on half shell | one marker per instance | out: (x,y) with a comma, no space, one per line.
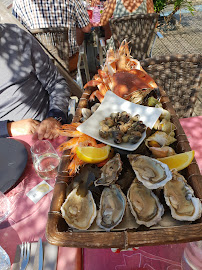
(110,172)
(144,204)
(179,196)
(151,172)
(79,212)
(112,207)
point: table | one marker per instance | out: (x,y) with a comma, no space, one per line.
(13,232)
(28,220)
(193,129)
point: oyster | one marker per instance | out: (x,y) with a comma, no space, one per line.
(151,172)
(144,204)
(79,212)
(159,139)
(110,171)
(112,207)
(179,196)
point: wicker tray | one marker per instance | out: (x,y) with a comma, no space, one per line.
(58,233)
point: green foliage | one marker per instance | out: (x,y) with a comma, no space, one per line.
(185,4)
(159,5)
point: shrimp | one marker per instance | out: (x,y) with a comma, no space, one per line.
(83,140)
(69,130)
(74,165)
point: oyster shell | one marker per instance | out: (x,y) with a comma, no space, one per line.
(179,196)
(144,204)
(79,212)
(151,172)
(112,207)
(159,138)
(110,171)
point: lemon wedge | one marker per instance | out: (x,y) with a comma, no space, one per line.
(178,161)
(91,154)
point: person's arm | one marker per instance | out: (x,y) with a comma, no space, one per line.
(17,128)
(58,91)
(82,17)
(52,82)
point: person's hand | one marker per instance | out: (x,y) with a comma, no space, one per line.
(48,129)
(22,127)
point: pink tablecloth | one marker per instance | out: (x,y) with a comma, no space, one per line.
(28,220)
(144,258)
(193,129)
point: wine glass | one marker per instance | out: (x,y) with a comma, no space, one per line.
(5,207)
(45,159)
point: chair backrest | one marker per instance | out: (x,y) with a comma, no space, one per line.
(138,29)
(55,40)
(180,76)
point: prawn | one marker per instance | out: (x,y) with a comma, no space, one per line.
(69,130)
(74,165)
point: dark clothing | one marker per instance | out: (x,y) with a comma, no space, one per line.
(30,85)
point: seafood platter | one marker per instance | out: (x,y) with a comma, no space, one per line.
(132,196)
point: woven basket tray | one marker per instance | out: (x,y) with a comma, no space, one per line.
(58,232)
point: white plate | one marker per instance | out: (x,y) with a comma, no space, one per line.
(112,104)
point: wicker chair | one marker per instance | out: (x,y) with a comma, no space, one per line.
(55,41)
(180,76)
(138,29)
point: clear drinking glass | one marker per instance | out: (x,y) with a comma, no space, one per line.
(5,207)
(5,263)
(192,257)
(45,159)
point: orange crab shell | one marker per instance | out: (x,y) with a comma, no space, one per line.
(126,82)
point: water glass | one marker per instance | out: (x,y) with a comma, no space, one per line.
(45,159)
(192,257)
(5,263)
(5,207)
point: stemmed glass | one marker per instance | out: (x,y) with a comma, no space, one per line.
(45,159)
(5,207)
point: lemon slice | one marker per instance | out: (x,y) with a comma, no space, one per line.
(91,154)
(178,161)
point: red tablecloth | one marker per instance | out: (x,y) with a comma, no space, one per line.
(28,220)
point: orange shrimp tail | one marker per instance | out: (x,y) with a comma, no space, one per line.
(74,165)
(69,144)
(71,126)
(70,133)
